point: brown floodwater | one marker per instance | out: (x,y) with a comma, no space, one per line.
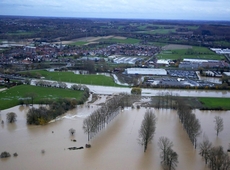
(115,148)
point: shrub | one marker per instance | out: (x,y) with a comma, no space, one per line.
(136,90)
(11,117)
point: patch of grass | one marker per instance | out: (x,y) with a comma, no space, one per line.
(192,27)
(212,103)
(21,33)
(222,43)
(158,31)
(11,97)
(76,78)
(158,44)
(79,43)
(143,27)
(122,41)
(194,53)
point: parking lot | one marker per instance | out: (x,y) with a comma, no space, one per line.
(183,74)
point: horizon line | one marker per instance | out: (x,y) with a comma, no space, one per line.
(114,18)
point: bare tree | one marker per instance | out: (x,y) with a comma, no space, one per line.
(218,159)
(219,124)
(172,159)
(164,144)
(89,126)
(148,127)
(169,158)
(205,148)
(11,117)
(71,131)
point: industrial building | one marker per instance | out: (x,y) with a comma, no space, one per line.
(146,71)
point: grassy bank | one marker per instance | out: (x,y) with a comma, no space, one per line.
(11,97)
(210,103)
(75,78)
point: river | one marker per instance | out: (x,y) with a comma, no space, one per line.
(116,147)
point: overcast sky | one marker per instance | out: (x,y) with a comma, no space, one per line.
(144,9)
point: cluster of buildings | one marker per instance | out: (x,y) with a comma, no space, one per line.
(198,63)
(221,51)
(50,52)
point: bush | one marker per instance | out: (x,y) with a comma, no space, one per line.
(136,90)
(5,155)
(11,117)
(42,115)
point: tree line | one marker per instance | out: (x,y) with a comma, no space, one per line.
(215,157)
(101,117)
(169,158)
(189,121)
(165,100)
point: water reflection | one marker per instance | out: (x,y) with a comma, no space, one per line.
(115,147)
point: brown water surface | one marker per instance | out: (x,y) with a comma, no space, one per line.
(115,148)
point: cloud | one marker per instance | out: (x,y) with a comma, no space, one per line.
(156,9)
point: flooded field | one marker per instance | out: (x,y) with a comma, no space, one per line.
(116,147)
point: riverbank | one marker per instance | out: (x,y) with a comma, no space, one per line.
(198,99)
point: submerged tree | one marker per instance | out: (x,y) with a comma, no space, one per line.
(172,159)
(89,126)
(219,125)
(11,117)
(71,131)
(148,127)
(218,159)
(169,158)
(164,144)
(205,148)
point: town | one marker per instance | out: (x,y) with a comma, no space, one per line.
(186,53)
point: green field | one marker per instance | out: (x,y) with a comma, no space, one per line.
(10,97)
(21,33)
(212,103)
(79,43)
(194,53)
(76,78)
(222,43)
(122,41)
(158,44)
(192,27)
(158,31)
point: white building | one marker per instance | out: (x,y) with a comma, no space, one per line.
(146,71)
(221,51)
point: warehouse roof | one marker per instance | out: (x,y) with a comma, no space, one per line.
(146,71)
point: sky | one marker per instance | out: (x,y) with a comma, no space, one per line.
(136,9)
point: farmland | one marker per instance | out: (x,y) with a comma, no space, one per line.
(75,78)
(194,53)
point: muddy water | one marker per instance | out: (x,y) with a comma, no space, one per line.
(114,148)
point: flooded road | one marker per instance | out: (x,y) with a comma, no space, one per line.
(116,147)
